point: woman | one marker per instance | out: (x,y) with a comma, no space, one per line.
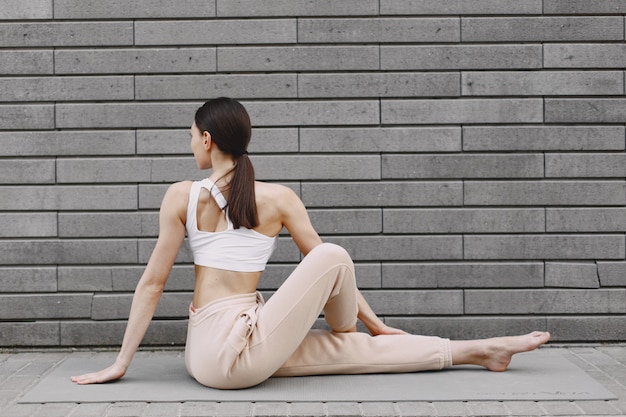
(235,340)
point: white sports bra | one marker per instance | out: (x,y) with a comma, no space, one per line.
(241,250)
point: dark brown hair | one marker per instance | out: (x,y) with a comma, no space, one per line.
(229,125)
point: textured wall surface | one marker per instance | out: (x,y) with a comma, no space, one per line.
(470,155)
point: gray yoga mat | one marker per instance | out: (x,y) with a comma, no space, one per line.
(541,375)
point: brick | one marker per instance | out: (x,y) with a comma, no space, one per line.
(379,30)
(585,110)
(134,61)
(281,113)
(584,7)
(270,409)
(462,7)
(544,247)
(587,328)
(554,83)
(88,278)
(483,408)
(110,333)
(608,55)
(544,301)
(22,35)
(572,275)
(27,171)
(390,248)
(103,170)
(367,275)
(46,306)
(306,409)
(402,221)
(117,306)
(215,32)
(462,166)
(27,116)
(95,9)
(297,58)
(186,87)
(450,57)
(343,409)
(395,139)
(342,221)
(26,62)
(545,193)
(150,196)
(37,333)
(612,274)
(243,8)
(586,219)
(65,143)
(317,167)
(382,194)
(586,165)
(378,85)
(122,197)
(28,279)
(526,29)
(116,224)
(463,275)
(28,224)
(410,409)
(461,111)
(269,140)
(543,138)
(379,409)
(174,169)
(25,9)
(68,251)
(66,88)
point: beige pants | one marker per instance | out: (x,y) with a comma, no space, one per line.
(240,341)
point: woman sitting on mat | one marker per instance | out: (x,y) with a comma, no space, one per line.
(235,339)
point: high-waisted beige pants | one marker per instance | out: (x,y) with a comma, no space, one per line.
(240,341)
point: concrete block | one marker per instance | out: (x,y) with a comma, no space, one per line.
(25,9)
(134,61)
(527,29)
(545,301)
(26,35)
(379,30)
(110,333)
(95,9)
(185,87)
(66,88)
(297,58)
(612,274)
(544,247)
(27,171)
(463,275)
(450,57)
(382,194)
(270,409)
(37,333)
(431,302)
(607,55)
(243,8)
(367,275)
(394,84)
(545,193)
(586,165)
(572,275)
(583,7)
(281,113)
(174,169)
(553,83)
(16,252)
(103,170)
(28,279)
(376,139)
(24,62)
(588,328)
(462,166)
(44,306)
(342,221)
(431,221)
(215,32)
(459,7)
(600,110)
(181,278)
(91,197)
(543,138)
(396,248)
(65,143)
(317,167)
(609,219)
(28,224)
(85,278)
(461,111)
(117,306)
(26,116)
(116,224)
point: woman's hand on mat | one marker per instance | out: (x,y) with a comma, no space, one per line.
(113,372)
(387,330)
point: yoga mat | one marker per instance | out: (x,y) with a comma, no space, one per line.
(539,376)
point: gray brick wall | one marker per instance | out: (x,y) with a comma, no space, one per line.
(471,155)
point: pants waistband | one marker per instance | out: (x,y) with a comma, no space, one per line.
(239,301)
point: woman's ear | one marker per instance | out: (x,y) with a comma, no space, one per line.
(206,140)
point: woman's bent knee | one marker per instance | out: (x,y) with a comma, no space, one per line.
(332,252)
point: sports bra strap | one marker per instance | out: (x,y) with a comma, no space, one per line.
(215,191)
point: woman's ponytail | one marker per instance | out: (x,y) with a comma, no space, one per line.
(242,202)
